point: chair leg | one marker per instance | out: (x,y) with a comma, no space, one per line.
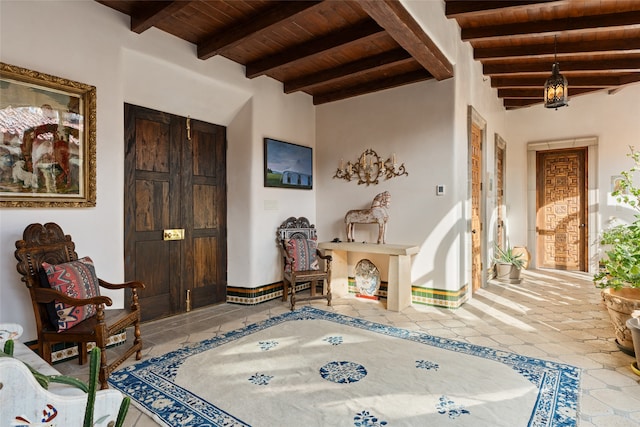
(314,286)
(285,290)
(45,351)
(137,341)
(103,376)
(293,296)
(82,353)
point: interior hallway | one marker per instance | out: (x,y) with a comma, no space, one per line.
(557,316)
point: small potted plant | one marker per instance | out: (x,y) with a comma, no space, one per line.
(508,264)
(619,272)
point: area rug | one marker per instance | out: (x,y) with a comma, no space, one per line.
(311,367)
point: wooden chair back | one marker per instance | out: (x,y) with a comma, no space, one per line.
(301,228)
(48,243)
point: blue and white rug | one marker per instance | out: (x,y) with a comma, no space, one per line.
(311,367)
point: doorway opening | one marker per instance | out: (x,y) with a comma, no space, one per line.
(562,184)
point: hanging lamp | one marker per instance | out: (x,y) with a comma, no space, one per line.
(555,88)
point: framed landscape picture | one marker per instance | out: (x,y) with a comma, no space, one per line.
(48,150)
(287,165)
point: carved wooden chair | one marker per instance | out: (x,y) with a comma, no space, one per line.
(66,301)
(298,242)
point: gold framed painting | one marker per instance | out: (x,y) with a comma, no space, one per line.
(48,150)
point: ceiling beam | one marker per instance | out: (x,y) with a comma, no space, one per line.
(400,25)
(372,86)
(612,65)
(502,52)
(470,8)
(353,69)
(515,103)
(629,78)
(364,32)
(552,26)
(574,82)
(151,13)
(537,93)
(265,20)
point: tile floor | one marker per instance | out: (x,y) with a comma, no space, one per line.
(551,315)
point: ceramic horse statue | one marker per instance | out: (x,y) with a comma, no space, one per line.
(376,214)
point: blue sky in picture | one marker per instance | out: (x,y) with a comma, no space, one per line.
(288,157)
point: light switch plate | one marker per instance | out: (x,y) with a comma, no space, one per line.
(439,190)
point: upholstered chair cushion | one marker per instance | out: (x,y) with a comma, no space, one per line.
(303,251)
(78,280)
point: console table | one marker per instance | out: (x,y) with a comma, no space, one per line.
(399,280)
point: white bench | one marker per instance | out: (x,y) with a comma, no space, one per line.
(25,403)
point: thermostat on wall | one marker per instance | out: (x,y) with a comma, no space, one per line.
(439,190)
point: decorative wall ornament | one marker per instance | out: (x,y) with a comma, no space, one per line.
(369,168)
(377,214)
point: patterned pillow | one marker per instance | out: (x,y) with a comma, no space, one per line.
(303,251)
(78,280)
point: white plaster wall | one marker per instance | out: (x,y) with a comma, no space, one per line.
(612,119)
(93,44)
(425,124)
(409,122)
(289,118)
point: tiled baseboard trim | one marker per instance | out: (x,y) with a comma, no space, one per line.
(425,296)
(62,352)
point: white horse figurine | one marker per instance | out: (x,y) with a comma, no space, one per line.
(377,214)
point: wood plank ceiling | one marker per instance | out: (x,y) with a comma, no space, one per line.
(598,44)
(336,49)
(329,49)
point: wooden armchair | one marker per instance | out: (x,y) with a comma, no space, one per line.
(48,244)
(297,239)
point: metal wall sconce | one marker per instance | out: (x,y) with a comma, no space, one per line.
(369,168)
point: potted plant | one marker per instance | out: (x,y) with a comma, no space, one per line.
(508,264)
(634,326)
(619,272)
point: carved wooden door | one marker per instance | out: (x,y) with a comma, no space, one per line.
(561,221)
(500,166)
(476,207)
(175,179)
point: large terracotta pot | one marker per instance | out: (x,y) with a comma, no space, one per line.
(634,326)
(620,304)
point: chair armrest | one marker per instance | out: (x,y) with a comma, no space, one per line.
(133,285)
(43,295)
(325,257)
(288,259)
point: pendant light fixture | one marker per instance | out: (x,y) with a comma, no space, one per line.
(555,89)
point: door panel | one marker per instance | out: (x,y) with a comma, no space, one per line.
(500,203)
(561,221)
(174,179)
(476,207)
(205,183)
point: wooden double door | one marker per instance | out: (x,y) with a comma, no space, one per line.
(175,211)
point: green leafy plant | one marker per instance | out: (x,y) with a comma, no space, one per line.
(620,266)
(506,256)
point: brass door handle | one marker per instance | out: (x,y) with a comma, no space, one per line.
(173,234)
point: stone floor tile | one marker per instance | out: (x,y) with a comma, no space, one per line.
(613,421)
(591,406)
(617,399)
(483,341)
